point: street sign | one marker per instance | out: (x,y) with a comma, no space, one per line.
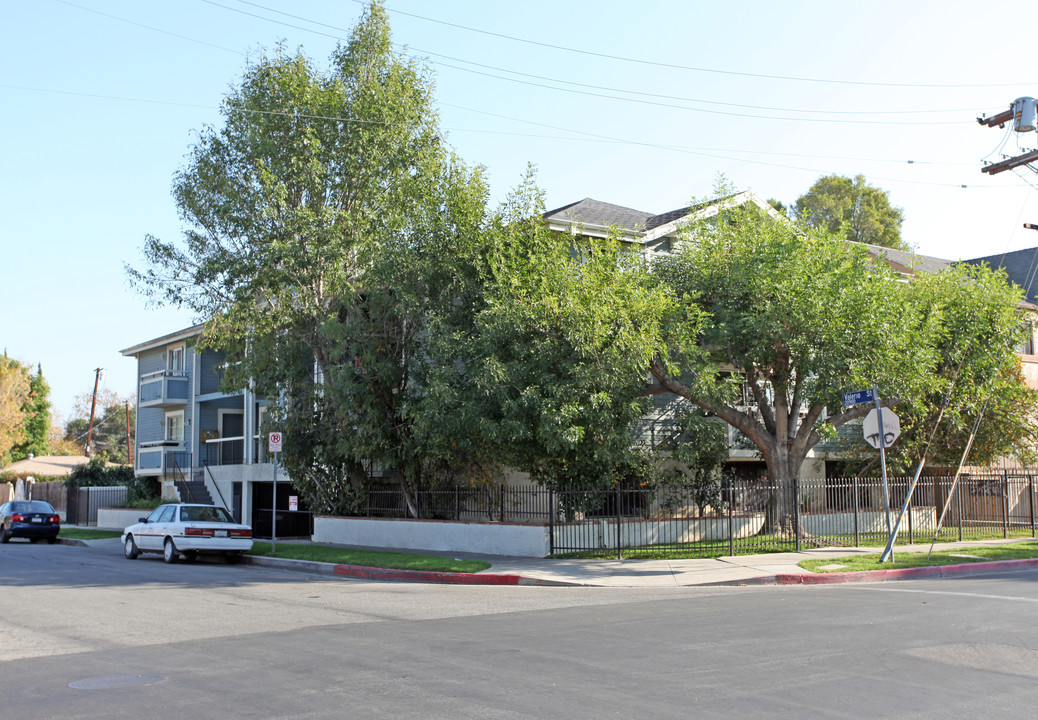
(293,503)
(275,442)
(858,397)
(891,428)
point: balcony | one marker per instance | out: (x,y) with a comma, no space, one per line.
(160,457)
(225,451)
(164,389)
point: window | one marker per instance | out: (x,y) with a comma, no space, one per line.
(175,426)
(175,362)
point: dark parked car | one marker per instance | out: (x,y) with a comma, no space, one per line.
(33,519)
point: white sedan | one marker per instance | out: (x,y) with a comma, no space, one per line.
(188,530)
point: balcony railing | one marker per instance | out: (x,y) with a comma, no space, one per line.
(164,389)
(225,451)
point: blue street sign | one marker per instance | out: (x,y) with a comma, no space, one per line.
(858,397)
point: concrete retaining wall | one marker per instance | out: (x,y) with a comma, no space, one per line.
(119,518)
(869,521)
(516,539)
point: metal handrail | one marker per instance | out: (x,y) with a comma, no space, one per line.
(178,478)
(217,486)
(163,373)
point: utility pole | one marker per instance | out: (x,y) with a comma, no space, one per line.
(1023,112)
(129,449)
(93,405)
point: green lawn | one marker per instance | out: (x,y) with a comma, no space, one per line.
(368,558)
(77,533)
(763,544)
(987,553)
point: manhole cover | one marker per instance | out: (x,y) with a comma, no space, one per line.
(108,682)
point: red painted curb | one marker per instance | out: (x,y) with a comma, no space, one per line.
(425,576)
(939,571)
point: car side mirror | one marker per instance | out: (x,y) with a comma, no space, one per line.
(142,520)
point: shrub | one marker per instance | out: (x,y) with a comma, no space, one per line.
(97,474)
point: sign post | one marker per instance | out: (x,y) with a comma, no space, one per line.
(274,447)
(881,429)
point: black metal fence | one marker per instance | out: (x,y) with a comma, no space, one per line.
(739,515)
(84,502)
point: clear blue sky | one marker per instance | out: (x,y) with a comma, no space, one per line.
(638,104)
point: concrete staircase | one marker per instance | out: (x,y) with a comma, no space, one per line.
(197,491)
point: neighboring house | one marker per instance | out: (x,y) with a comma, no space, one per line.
(44,466)
(205,444)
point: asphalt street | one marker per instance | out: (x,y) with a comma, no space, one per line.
(87,634)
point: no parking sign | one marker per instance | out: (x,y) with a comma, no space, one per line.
(275,442)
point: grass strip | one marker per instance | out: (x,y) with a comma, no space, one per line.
(87,533)
(957,556)
(764,544)
(368,558)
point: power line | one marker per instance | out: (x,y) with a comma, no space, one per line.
(582,134)
(673,66)
(150,27)
(590,86)
(584,85)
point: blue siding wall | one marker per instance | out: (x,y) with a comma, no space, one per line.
(151,361)
(210,371)
(209,415)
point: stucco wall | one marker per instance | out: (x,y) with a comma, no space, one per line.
(515,539)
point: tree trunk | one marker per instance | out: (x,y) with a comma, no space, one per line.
(412,506)
(782,518)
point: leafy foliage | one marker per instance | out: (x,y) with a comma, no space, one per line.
(852,208)
(327,225)
(796,314)
(551,373)
(97,473)
(975,325)
(36,425)
(14,393)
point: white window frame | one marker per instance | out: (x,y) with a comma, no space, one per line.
(172,415)
(171,354)
(221,413)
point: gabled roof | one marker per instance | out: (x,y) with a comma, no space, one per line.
(1021,266)
(594,217)
(164,340)
(907,263)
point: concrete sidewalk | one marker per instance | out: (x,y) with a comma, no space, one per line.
(772,568)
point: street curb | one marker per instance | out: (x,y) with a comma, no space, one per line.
(425,576)
(71,541)
(386,574)
(309,566)
(939,571)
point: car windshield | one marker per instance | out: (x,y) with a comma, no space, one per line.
(31,506)
(194,513)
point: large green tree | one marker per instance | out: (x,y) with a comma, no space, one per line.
(550,375)
(851,207)
(796,314)
(14,393)
(36,425)
(976,320)
(326,223)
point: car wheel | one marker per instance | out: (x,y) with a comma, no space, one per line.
(169,551)
(4,537)
(130,551)
(232,558)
